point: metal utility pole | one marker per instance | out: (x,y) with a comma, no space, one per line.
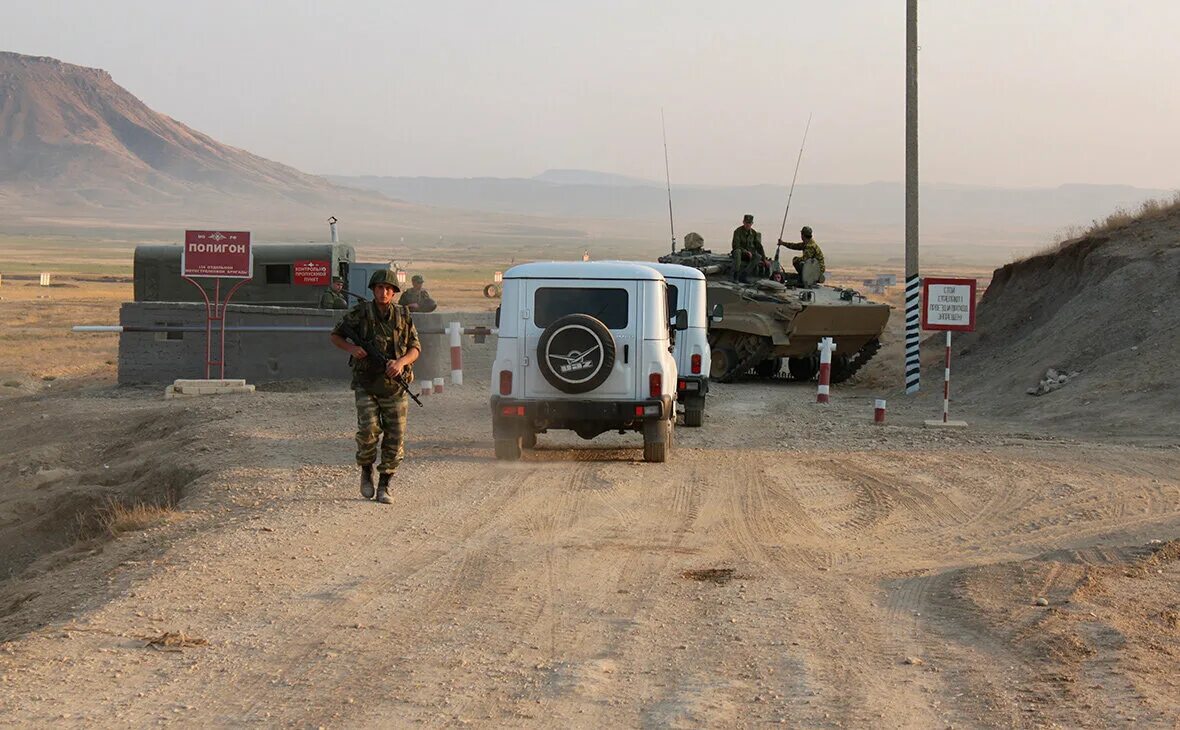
(913,285)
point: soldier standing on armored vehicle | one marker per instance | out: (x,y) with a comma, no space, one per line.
(417,299)
(381,399)
(811,252)
(747,253)
(334,298)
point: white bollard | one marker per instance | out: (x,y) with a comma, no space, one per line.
(879,410)
(438,385)
(825,347)
(426,387)
(455,332)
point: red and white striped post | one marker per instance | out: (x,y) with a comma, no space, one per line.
(426,388)
(454,332)
(879,410)
(438,385)
(825,347)
(946,382)
(948,304)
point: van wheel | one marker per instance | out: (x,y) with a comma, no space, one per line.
(508,449)
(576,353)
(528,440)
(657,440)
(694,412)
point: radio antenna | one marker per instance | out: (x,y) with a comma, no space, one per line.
(668,179)
(793,177)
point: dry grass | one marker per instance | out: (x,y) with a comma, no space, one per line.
(1148,210)
(115,516)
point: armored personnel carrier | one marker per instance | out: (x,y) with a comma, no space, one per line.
(774,319)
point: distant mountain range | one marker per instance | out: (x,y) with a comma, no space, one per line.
(82,157)
(588,194)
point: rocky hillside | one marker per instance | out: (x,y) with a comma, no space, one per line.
(1106,307)
(73,132)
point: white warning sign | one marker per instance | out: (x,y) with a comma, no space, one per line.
(948,304)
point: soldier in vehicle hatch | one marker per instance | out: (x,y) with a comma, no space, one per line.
(334,298)
(747,251)
(418,299)
(810,249)
(381,400)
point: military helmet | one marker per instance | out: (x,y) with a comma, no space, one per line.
(337,280)
(747,218)
(418,279)
(694,242)
(384,276)
(805,231)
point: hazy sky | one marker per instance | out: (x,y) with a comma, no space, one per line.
(1027,93)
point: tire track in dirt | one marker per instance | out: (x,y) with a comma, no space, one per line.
(297,661)
(767,524)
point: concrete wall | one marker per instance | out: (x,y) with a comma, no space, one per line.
(261,357)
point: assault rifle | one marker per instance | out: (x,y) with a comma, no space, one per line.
(374,355)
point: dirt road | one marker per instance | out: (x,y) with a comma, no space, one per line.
(792,563)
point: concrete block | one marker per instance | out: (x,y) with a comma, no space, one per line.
(228,383)
(171,392)
(939,423)
(206,387)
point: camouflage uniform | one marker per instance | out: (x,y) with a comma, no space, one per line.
(810,250)
(381,403)
(747,249)
(421,297)
(331,299)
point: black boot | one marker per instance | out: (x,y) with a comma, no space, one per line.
(367,489)
(383,489)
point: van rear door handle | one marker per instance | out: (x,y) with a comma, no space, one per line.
(626,354)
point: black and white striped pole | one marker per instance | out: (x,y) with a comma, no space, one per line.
(913,285)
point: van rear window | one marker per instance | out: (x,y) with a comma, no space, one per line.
(608,305)
(673,298)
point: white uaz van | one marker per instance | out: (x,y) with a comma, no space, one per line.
(584,346)
(686,290)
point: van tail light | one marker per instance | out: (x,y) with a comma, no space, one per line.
(696,364)
(655,383)
(505,382)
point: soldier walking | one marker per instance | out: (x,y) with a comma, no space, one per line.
(381,401)
(418,299)
(334,298)
(747,248)
(811,252)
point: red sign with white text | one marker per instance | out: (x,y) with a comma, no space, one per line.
(948,304)
(217,254)
(313,273)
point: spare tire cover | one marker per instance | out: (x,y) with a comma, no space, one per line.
(576,353)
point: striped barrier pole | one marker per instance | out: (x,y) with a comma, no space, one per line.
(454,330)
(825,347)
(946,382)
(879,410)
(913,334)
